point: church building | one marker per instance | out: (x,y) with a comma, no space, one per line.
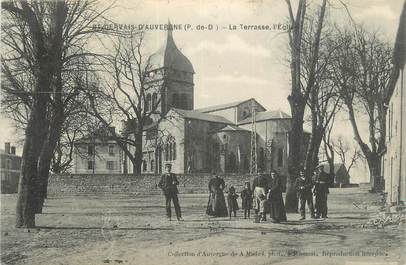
(216,138)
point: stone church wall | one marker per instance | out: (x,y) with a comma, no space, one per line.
(145,184)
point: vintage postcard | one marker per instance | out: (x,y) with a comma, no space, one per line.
(203,132)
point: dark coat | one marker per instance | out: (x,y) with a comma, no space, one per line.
(275,200)
(303,187)
(168,184)
(216,205)
(232,201)
(321,183)
(216,184)
(246,199)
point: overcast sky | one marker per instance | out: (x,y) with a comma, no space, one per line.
(238,64)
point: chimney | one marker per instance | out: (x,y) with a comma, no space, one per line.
(7,147)
(13,150)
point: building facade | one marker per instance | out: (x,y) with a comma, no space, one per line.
(10,169)
(216,138)
(394,160)
(97,153)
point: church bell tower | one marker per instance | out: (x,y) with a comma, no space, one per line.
(174,71)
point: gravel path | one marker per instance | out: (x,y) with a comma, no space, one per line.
(132,229)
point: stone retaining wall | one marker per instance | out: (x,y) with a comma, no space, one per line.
(101,183)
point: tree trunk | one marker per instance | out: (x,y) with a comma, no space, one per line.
(137,162)
(46,156)
(374,165)
(313,151)
(34,134)
(295,156)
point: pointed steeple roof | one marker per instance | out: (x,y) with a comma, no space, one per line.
(169,56)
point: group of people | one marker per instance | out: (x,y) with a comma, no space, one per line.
(317,186)
(264,198)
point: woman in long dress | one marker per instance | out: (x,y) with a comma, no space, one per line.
(217,203)
(276,205)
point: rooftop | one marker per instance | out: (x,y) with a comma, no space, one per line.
(169,56)
(267,115)
(337,167)
(233,128)
(196,115)
(226,106)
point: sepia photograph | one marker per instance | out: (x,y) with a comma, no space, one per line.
(203,132)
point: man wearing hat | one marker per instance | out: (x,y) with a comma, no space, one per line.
(321,191)
(304,186)
(168,184)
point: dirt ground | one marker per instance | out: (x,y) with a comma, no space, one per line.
(132,229)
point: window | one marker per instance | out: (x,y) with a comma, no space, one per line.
(90,150)
(174,151)
(144,165)
(154,101)
(148,102)
(167,152)
(110,165)
(111,149)
(280,157)
(152,164)
(171,151)
(90,164)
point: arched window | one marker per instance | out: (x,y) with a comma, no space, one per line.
(152,164)
(154,101)
(144,165)
(170,151)
(148,102)
(166,152)
(174,151)
(175,100)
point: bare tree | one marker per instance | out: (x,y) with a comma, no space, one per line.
(362,69)
(323,101)
(131,92)
(301,89)
(348,155)
(43,45)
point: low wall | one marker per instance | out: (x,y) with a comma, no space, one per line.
(145,184)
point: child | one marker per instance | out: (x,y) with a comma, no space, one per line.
(246,199)
(232,201)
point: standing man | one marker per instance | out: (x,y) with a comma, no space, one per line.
(260,188)
(304,186)
(168,184)
(321,191)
